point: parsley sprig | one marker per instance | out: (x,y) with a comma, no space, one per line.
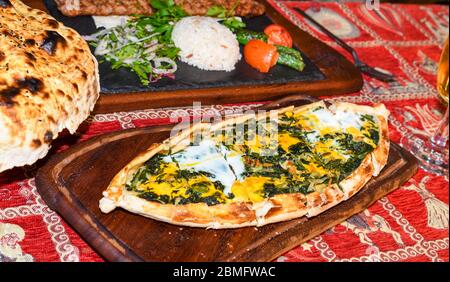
(144,43)
(227,16)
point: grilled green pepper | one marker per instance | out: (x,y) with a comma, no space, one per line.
(290,57)
(244,36)
(287,56)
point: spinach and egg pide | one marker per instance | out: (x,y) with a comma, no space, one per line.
(258,170)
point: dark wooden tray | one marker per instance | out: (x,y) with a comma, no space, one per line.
(72,182)
(340,77)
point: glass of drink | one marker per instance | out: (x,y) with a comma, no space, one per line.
(433,153)
(442,76)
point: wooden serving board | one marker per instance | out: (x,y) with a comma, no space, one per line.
(72,182)
(340,76)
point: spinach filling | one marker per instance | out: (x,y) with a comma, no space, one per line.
(270,189)
(193,194)
(302,154)
(288,170)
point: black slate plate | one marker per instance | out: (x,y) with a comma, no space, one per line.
(188,77)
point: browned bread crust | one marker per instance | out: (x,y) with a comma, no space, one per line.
(48,82)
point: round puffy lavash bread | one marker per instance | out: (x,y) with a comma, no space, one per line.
(48,82)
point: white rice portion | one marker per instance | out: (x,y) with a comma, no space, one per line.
(206,44)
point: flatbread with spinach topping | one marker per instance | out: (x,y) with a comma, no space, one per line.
(255,170)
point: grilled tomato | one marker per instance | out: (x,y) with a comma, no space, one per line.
(260,55)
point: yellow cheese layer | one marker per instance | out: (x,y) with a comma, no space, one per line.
(250,189)
(306,121)
(258,143)
(328,151)
(315,169)
(167,183)
(285,141)
(359,134)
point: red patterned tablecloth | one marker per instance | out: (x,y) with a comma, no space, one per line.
(411,224)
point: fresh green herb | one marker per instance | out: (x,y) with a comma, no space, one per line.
(227,16)
(163,20)
(222,12)
(143,44)
(162,5)
(234,23)
(217,12)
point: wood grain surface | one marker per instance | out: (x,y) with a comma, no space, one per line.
(341,77)
(72,182)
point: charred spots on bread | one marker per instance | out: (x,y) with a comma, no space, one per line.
(51,42)
(48,136)
(36,143)
(75,58)
(34,62)
(5,4)
(7,96)
(30,56)
(385,151)
(60,93)
(84,75)
(45,95)
(51,23)
(384,132)
(75,85)
(51,119)
(6,33)
(32,84)
(367,169)
(30,42)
